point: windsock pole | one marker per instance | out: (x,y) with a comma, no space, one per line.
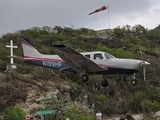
(108,16)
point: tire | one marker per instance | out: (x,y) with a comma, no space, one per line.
(133,82)
(85,78)
(104,83)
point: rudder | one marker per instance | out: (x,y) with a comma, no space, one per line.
(28,49)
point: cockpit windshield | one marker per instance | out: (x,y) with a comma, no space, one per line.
(108,56)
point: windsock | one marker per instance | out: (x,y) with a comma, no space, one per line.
(98,10)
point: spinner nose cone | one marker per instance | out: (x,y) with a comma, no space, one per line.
(145,63)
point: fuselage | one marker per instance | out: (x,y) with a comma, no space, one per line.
(112,64)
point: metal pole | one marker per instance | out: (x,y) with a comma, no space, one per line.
(108,16)
(44,117)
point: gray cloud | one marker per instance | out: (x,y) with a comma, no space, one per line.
(23,14)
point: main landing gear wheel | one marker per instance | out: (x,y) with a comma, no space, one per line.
(85,78)
(104,83)
(133,82)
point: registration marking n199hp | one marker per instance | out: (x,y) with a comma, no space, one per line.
(51,63)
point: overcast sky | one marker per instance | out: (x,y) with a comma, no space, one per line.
(23,14)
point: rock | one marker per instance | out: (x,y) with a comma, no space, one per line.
(48,96)
(157,114)
(79,95)
(63,88)
(113,43)
(52,94)
(85,99)
(67,97)
(31,94)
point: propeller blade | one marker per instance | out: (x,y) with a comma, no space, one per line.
(142,56)
(144,65)
(148,60)
(144,73)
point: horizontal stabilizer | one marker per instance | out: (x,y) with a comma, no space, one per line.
(16,57)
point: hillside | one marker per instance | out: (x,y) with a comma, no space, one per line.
(36,88)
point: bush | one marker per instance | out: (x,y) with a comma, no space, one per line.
(134,101)
(76,111)
(15,113)
(129,117)
(101,98)
(149,106)
(116,52)
(152,52)
(110,108)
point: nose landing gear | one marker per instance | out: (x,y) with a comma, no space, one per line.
(134,81)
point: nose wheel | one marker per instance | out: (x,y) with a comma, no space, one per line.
(133,82)
(85,77)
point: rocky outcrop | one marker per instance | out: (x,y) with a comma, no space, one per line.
(12,93)
(61,93)
(110,42)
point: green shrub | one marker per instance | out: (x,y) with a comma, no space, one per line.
(149,106)
(116,52)
(129,117)
(153,94)
(76,111)
(134,101)
(110,108)
(15,113)
(152,52)
(101,98)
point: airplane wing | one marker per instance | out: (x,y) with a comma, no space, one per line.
(75,60)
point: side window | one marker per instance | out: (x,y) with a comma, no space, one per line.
(88,56)
(98,55)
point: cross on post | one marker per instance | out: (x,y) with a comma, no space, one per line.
(11,46)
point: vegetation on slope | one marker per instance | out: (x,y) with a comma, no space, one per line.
(125,42)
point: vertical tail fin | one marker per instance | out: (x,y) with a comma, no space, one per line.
(28,49)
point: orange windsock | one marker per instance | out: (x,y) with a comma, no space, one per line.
(98,10)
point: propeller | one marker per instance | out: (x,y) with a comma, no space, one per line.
(143,64)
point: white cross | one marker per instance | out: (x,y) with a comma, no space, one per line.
(11,46)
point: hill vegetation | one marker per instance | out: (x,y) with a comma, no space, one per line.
(119,97)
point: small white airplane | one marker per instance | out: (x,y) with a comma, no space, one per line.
(84,63)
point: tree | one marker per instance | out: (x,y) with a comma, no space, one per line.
(119,32)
